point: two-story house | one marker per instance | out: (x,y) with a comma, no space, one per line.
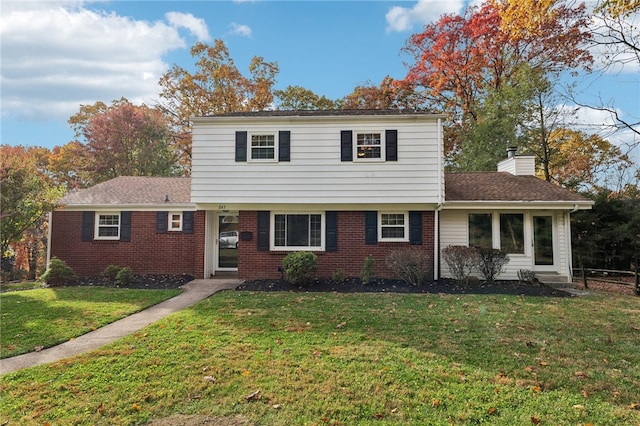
(343,184)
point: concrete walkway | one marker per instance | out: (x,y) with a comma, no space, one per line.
(195,291)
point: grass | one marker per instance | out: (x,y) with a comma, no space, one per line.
(354,359)
(49,316)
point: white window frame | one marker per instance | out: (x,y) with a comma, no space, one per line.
(272,232)
(170,226)
(250,147)
(405,227)
(356,133)
(495,229)
(97,226)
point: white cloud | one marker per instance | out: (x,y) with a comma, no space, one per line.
(241,30)
(424,11)
(196,26)
(58,55)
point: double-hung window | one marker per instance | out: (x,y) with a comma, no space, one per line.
(369,146)
(175,221)
(263,147)
(298,231)
(393,227)
(107,226)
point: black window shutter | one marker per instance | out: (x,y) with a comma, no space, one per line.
(391,142)
(87,225)
(415,228)
(263,231)
(346,145)
(241,146)
(162,220)
(371,227)
(125,226)
(331,228)
(284,145)
(187,222)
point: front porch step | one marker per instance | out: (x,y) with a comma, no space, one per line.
(554,279)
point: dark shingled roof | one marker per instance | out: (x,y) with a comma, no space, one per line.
(471,186)
(133,190)
(502,186)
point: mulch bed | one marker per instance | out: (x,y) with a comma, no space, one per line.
(151,282)
(398,286)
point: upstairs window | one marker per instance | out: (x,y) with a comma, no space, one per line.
(368,146)
(175,221)
(393,227)
(107,226)
(263,147)
(297,231)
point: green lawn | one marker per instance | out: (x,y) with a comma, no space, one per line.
(355,359)
(49,316)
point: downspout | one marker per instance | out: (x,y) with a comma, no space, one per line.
(568,243)
(436,225)
(50,219)
(436,243)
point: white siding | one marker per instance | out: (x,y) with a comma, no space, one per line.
(524,165)
(454,231)
(315,174)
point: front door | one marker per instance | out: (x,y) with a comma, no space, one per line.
(227,242)
(543,242)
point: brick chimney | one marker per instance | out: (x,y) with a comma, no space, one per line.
(518,165)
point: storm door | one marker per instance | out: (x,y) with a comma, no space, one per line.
(227,242)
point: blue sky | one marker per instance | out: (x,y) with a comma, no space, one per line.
(57,55)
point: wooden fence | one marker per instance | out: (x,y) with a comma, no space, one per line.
(623,278)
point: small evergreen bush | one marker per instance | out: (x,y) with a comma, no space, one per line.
(111,272)
(461,261)
(58,273)
(124,276)
(368,273)
(300,266)
(339,277)
(491,263)
(411,264)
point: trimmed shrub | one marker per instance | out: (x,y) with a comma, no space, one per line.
(526,276)
(111,272)
(411,264)
(491,263)
(300,266)
(339,277)
(124,276)
(58,273)
(368,273)
(461,261)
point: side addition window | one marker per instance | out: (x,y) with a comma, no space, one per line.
(175,221)
(480,230)
(393,227)
(107,226)
(263,147)
(512,233)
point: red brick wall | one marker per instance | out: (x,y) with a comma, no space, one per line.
(146,253)
(349,258)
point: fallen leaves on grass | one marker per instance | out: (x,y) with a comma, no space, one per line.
(253,396)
